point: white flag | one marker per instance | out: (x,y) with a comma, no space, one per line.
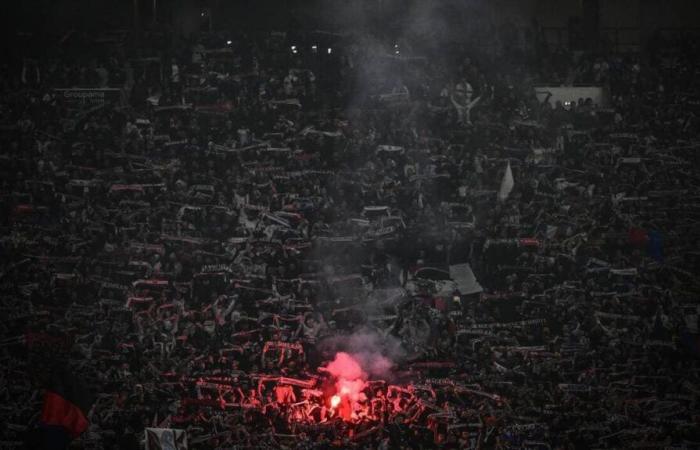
(506,184)
(165,439)
(464,277)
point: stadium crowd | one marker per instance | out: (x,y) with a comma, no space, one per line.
(198,245)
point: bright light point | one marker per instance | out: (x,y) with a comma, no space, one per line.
(330,50)
(294,47)
(313,47)
(229,42)
(335,401)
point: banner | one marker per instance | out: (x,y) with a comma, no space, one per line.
(563,94)
(79,98)
(507,325)
(165,439)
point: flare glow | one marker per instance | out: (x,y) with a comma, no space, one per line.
(349,383)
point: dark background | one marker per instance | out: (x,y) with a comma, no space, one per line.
(626,24)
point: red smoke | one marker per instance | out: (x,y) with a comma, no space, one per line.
(349,384)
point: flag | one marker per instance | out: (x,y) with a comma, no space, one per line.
(463,275)
(655,245)
(506,184)
(165,439)
(67,402)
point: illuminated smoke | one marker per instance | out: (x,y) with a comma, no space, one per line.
(345,366)
(349,383)
(374,354)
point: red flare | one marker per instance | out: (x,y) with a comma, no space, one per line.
(349,384)
(335,401)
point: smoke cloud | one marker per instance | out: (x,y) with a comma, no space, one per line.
(345,366)
(375,354)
